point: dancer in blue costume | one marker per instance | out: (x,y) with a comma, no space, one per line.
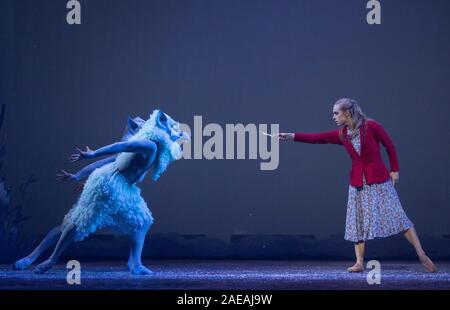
(110,197)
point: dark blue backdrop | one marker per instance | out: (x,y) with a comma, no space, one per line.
(230,61)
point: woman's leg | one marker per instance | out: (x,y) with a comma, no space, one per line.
(137,243)
(66,238)
(412,237)
(50,239)
(359,253)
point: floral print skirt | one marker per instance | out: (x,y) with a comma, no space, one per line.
(374,211)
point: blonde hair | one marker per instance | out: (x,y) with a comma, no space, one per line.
(358,117)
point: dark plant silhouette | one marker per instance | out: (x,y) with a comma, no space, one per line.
(11,213)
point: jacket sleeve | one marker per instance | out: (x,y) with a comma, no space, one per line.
(319,138)
(382,136)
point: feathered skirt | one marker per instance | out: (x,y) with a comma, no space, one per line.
(108,201)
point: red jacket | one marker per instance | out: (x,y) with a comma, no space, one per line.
(369,162)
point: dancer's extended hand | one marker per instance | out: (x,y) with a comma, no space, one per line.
(64,176)
(81,155)
(285,136)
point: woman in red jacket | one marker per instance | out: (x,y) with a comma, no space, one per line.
(373,209)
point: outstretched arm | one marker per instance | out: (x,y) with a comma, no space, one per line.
(85,172)
(135,146)
(320,138)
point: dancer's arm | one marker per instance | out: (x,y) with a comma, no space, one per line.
(85,172)
(134,146)
(320,138)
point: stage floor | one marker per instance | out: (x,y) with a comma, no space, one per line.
(231,274)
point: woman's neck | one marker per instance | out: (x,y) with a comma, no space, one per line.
(350,125)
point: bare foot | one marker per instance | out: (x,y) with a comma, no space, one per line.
(23,263)
(358,267)
(44,267)
(140,270)
(427,263)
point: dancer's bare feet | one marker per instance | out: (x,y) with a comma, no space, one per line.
(23,263)
(358,267)
(140,270)
(427,263)
(44,267)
